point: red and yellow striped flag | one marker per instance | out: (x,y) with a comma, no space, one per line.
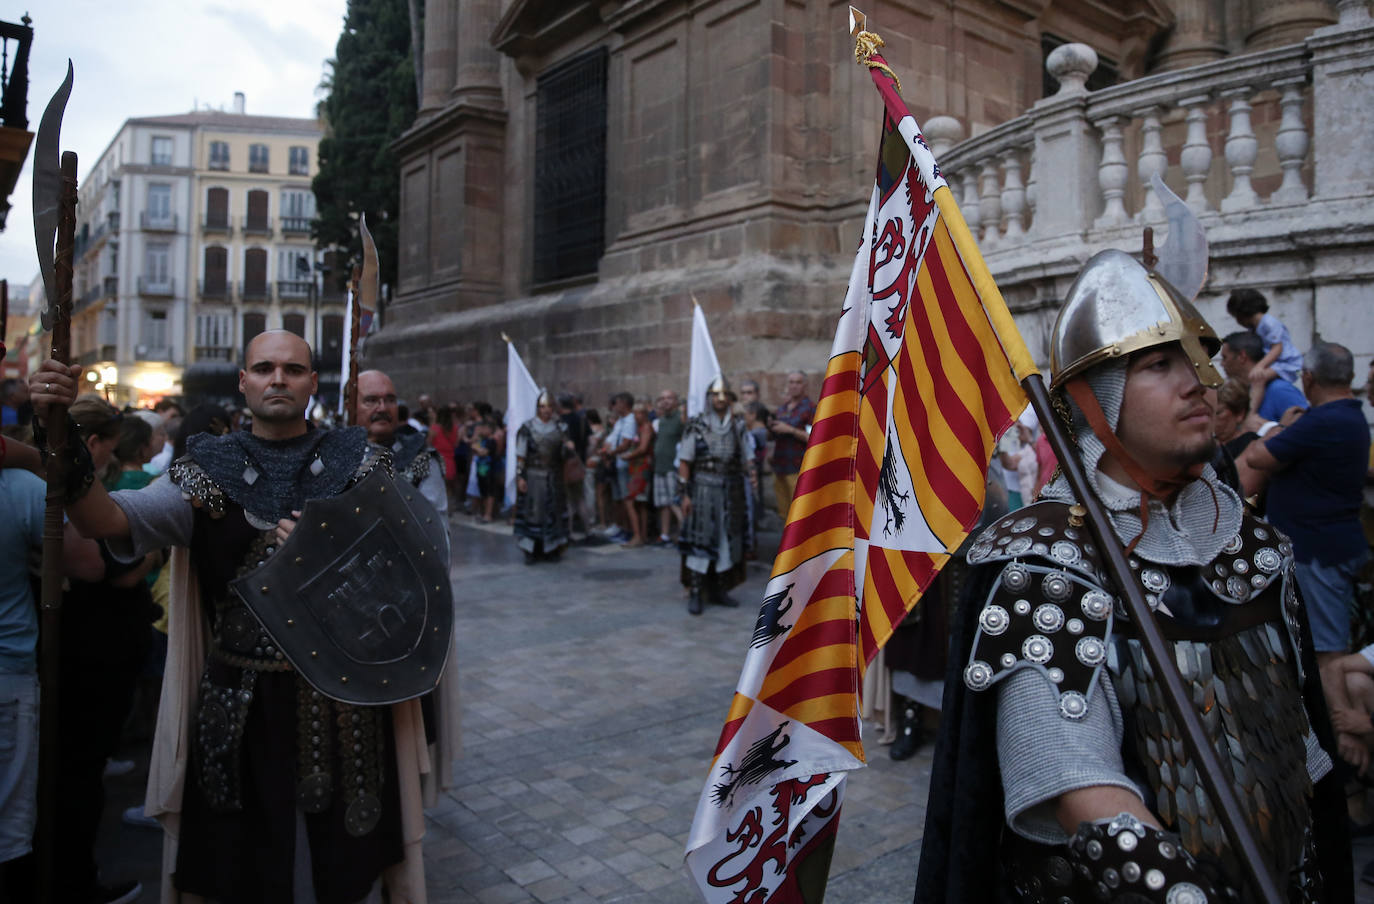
(923,379)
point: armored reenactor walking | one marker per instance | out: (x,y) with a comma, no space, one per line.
(715,457)
(277,768)
(542,444)
(1058,758)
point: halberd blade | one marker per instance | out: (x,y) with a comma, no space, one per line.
(1183,259)
(47,193)
(369,285)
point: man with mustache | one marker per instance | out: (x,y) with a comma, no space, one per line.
(412,456)
(1057,754)
(266,788)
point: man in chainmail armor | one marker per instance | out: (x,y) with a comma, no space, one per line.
(414,459)
(1058,757)
(268,791)
(715,455)
(541,505)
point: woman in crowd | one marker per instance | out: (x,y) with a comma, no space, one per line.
(444,437)
(640,458)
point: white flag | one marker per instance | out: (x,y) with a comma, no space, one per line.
(704,367)
(522,396)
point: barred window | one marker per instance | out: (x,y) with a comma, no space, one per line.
(570,168)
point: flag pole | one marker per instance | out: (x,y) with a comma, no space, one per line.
(1157,651)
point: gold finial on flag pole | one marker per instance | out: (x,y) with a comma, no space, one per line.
(695,303)
(867,44)
(504,337)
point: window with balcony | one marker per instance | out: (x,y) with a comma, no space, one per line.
(152,344)
(162,151)
(256,221)
(300,161)
(255,274)
(257,158)
(254,322)
(215,279)
(297,210)
(570,168)
(217,210)
(157,213)
(219,155)
(214,337)
(294,273)
(157,275)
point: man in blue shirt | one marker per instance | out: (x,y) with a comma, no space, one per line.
(1317,469)
(1240,352)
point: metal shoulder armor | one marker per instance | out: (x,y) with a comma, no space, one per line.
(196,486)
(1046,611)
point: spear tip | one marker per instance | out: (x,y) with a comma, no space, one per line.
(857,22)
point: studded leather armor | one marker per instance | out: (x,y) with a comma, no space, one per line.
(1234,632)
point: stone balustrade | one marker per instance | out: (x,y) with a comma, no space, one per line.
(1270,149)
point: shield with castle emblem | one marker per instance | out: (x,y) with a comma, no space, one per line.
(358,597)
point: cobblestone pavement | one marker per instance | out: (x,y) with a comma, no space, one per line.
(591,703)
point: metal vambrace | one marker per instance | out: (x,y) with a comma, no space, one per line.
(80,468)
(1123,859)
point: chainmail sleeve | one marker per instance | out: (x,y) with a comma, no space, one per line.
(1043,755)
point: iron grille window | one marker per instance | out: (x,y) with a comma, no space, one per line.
(570,168)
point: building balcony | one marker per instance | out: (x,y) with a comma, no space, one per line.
(295,226)
(253,291)
(214,289)
(257,226)
(217,225)
(294,288)
(110,286)
(157,222)
(152,353)
(112,221)
(156,288)
(1267,163)
(215,353)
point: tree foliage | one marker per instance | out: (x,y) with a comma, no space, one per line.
(370,100)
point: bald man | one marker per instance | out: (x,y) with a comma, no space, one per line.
(276,776)
(414,459)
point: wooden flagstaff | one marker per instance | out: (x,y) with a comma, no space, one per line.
(50,607)
(1158,652)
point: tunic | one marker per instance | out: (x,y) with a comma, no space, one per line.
(713,535)
(541,511)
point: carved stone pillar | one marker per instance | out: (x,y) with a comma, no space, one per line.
(478,77)
(1198,35)
(1274,23)
(441,24)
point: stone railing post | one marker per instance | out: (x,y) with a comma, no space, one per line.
(1291,142)
(969,206)
(1342,127)
(1152,160)
(942,133)
(1196,156)
(1241,150)
(1065,151)
(1111,173)
(990,204)
(1013,194)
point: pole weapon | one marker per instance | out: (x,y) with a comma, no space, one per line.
(1157,651)
(366,289)
(54,228)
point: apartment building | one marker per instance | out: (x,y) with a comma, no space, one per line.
(193,237)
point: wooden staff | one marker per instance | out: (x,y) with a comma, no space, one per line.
(50,606)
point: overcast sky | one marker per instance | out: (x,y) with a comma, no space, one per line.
(155,57)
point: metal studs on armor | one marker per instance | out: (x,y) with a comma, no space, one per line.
(1090,651)
(1008,660)
(1181,893)
(1268,560)
(1073,705)
(1046,531)
(1074,626)
(1155,580)
(1261,534)
(1020,546)
(978,675)
(1065,552)
(1022,607)
(1240,566)
(1130,871)
(1127,841)
(1022,525)
(1048,618)
(1056,675)
(1038,649)
(1233,545)
(1238,587)
(1016,578)
(994,620)
(1095,849)
(1056,586)
(1097,605)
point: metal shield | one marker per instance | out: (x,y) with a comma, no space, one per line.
(358,597)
